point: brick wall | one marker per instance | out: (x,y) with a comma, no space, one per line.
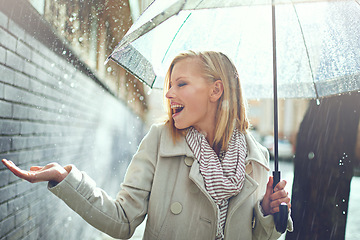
(52,111)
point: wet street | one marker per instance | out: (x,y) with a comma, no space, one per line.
(353,222)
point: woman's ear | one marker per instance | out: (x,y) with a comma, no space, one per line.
(216,90)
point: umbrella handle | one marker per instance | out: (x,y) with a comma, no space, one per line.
(281,217)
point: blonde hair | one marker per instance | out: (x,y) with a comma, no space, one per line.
(231,110)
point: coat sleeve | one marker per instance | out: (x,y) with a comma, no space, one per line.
(117,217)
(264,225)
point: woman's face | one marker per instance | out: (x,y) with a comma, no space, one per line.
(189,96)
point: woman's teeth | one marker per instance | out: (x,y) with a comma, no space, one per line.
(177,108)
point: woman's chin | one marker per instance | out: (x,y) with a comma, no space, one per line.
(180,126)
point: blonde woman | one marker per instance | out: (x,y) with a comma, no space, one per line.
(200,175)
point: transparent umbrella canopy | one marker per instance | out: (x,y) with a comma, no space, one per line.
(317,43)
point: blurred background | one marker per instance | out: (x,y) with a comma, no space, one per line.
(59,102)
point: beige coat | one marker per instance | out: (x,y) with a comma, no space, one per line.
(164,182)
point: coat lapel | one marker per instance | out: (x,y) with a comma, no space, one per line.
(250,186)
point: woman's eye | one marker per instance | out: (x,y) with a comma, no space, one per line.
(181,84)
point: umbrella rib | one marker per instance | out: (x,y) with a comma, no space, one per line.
(307,53)
(167,50)
(173,39)
(149,25)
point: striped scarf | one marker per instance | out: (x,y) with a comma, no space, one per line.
(223,178)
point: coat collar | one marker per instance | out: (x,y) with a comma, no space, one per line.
(256,152)
(169,149)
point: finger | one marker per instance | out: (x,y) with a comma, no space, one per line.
(26,175)
(11,166)
(277,209)
(277,202)
(68,168)
(278,195)
(269,186)
(7,163)
(280,185)
(55,173)
(270,182)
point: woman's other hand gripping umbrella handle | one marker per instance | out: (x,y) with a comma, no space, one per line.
(281,217)
(276,202)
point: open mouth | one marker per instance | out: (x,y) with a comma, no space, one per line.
(176,108)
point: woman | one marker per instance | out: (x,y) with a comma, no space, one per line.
(200,175)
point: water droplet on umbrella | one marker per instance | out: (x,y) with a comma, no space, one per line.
(311,155)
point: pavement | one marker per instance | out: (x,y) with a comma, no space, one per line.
(287,171)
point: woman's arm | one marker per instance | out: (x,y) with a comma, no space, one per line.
(117,217)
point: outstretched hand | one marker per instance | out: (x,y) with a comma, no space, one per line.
(50,172)
(274,197)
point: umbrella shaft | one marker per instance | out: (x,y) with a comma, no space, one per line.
(275,89)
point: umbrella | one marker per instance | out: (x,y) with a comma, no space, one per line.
(308,49)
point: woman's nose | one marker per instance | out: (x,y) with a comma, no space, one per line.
(170,93)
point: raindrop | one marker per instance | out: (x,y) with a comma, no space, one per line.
(81,39)
(64,52)
(311,155)
(66,76)
(336,205)
(72,84)
(343,212)
(129,142)
(343,200)
(141,98)
(149,92)
(317,101)
(53,65)
(109,69)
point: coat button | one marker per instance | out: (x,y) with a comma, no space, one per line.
(176,208)
(188,161)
